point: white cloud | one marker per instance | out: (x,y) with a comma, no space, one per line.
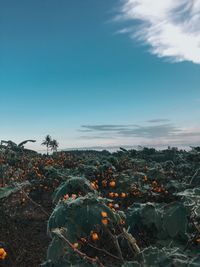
(170,27)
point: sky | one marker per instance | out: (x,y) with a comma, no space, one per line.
(100,72)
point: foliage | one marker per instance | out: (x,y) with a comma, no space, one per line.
(8,190)
(128,208)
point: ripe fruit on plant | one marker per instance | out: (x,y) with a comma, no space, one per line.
(111,194)
(104,214)
(95,236)
(145,178)
(94,185)
(110,205)
(112,184)
(3,254)
(104,221)
(123,195)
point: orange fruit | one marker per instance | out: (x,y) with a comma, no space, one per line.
(95,236)
(104,214)
(145,178)
(104,221)
(94,185)
(3,253)
(111,194)
(112,184)
(123,195)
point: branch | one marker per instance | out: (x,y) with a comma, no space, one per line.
(115,242)
(35,204)
(131,241)
(60,233)
(104,251)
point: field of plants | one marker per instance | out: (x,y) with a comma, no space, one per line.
(130,208)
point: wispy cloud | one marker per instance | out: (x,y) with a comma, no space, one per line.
(93,137)
(170,27)
(153,132)
(133,130)
(105,127)
(158,120)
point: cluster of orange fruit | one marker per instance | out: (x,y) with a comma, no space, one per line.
(157,188)
(104,220)
(3,254)
(104,216)
(94,235)
(94,185)
(73,196)
(36,169)
(115,195)
(104,183)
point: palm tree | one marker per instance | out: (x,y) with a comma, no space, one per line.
(54,145)
(47,141)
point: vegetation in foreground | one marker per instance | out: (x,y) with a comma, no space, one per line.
(89,208)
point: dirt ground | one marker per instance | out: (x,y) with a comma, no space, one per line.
(23,232)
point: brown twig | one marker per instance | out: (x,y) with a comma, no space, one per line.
(115,242)
(35,203)
(104,251)
(131,241)
(60,233)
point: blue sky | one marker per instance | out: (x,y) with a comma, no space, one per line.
(93,73)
